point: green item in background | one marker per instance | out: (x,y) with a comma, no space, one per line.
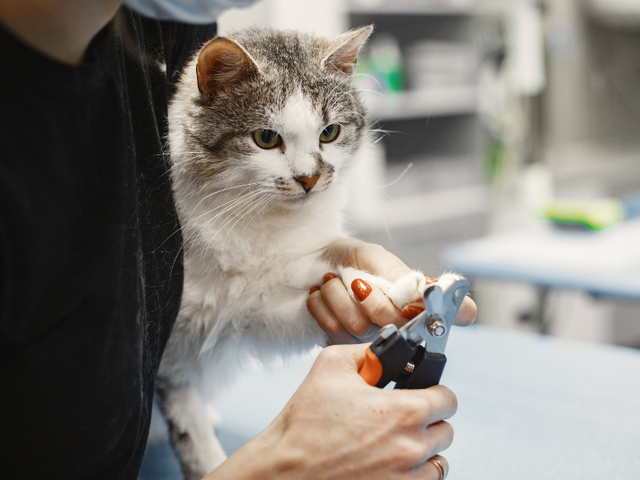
(495,155)
(594,214)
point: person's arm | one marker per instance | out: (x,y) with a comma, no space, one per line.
(338,427)
(60,29)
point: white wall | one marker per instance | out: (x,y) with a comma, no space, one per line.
(323,17)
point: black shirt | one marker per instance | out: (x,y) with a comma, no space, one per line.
(90,263)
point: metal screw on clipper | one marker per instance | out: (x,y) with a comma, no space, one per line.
(436,327)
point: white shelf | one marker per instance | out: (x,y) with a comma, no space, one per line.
(428,102)
(428,208)
(413,8)
(617,13)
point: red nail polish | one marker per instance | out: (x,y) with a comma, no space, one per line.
(313,289)
(360,289)
(430,279)
(411,312)
(327,277)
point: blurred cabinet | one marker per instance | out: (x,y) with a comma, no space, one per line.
(418,78)
(591,108)
(436,108)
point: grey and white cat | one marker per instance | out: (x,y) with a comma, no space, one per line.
(263,129)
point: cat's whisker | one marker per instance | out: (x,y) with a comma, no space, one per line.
(246,208)
(371,91)
(266,204)
(198,228)
(263,200)
(185,226)
(208,196)
(223,204)
(399,177)
(231,205)
(245,199)
(371,77)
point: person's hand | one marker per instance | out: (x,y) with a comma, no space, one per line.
(338,427)
(344,320)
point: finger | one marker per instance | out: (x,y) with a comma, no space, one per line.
(345,310)
(439,437)
(347,359)
(369,257)
(467,313)
(442,403)
(327,320)
(430,471)
(375,304)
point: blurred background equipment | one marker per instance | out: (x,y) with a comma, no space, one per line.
(493,117)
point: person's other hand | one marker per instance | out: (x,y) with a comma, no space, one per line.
(338,427)
(346,320)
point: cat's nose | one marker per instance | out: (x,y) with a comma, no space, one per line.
(307,182)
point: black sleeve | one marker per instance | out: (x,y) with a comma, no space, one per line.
(90,250)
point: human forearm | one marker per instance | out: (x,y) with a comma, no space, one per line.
(337,427)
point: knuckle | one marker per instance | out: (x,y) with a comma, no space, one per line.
(379,310)
(360,328)
(454,402)
(332,327)
(411,453)
(413,411)
(330,354)
(408,453)
(448,399)
(451,399)
(363,253)
(442,440)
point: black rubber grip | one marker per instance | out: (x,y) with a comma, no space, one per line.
(426,373)
(393,352)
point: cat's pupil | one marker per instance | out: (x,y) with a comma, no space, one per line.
(330,133)
(268,136)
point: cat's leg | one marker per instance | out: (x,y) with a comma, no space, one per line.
(191,425)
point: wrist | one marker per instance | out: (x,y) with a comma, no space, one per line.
(265,457)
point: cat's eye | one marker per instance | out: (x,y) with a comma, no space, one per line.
(330,133)
(267,138)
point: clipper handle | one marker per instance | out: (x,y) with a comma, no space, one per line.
(427,371)
(386,359)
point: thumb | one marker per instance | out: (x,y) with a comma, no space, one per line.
(347,359)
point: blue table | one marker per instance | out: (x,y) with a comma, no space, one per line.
(531,407)
(601,263)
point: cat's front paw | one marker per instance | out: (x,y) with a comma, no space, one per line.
(406,290)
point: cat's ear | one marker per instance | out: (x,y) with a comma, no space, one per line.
(344,54)
(222,62)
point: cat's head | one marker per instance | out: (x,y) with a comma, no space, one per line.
(273,110)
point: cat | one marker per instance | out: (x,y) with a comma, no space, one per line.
(262,131)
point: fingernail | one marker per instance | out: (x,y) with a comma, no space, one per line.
(313,289)
(411,312)
(327,277)
(360,289)
(430,279)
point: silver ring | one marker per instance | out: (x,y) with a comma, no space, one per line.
(438,464)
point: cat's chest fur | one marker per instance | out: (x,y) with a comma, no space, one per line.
(243,275)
